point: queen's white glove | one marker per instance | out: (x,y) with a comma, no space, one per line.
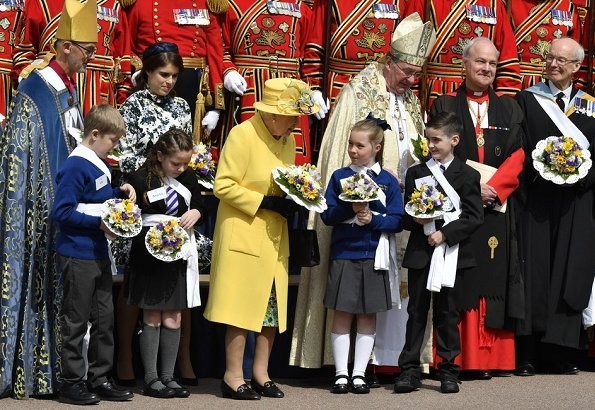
(210,120)
(234,82)
(324,105)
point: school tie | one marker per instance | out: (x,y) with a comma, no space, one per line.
(442,168)
(560,101)
(171,201)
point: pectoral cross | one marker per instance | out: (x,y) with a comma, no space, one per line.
(493,244)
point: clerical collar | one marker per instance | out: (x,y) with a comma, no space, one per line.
(478,96)
(555,90)
(68,81)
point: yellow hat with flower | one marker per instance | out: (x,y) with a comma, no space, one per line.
(78,21)
(413,40)
(287,96)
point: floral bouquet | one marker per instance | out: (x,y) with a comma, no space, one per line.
(301,183)
(428,203)
(122,217)
(358,188)
(561,160)
(166,239)
(418,147)
(203,165)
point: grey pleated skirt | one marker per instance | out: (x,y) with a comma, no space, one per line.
(354,286)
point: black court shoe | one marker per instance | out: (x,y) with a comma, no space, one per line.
(242,393)
(269,389)
(340,388)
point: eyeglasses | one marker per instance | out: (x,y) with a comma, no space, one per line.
(408,72)
(561,60)
(89,51)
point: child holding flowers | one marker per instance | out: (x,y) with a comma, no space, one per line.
(372,205)
(163,285)
(83,184)
(460,184)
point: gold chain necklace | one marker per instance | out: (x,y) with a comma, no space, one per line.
(478,129)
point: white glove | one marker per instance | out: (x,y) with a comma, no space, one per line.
(234,82)
(324,105)
(210,120)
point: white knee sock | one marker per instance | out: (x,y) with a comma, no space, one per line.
(364,343)
(340,344)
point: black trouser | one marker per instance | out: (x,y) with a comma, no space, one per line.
(446,316)
(87,298)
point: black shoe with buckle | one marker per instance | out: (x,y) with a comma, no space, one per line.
(111,392)
(242,393)
(269,389)
(340,388)
(77,393)
(406,383)
(359,388)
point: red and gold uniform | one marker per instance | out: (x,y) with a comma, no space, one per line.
(9,19)
(107,79)
(262,43)
(198,39)
(456,23)
(583,10)
(360,32)
(536,23)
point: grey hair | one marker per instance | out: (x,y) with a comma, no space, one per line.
(579,53)
(476,40)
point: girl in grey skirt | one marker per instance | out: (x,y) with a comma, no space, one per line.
(354,286)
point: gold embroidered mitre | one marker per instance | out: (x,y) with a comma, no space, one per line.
(413,40)
(78,21)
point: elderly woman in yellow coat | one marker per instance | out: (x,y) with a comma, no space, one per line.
(249,278)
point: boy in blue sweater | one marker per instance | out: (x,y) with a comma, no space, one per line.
(83,184)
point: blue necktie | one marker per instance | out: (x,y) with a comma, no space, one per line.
(171,201)
(442,168)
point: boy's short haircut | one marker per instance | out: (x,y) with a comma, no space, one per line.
(447,122)
(104,118)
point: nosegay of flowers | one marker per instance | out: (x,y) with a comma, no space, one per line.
(302,184)
(166,239)
(561,160)
(204,165)
(358,188)
(427,201)
(122,217)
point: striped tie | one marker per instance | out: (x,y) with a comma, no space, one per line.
(171,201)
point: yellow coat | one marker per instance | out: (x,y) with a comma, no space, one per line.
(250,248)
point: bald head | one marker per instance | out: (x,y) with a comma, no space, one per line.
(483,42)
(571,45)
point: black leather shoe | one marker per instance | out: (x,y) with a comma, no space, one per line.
(449,385)
(269,389)
(565,368)
(406,383)
(484,375)
(340,388)
(111,392)
(373,381)
(359,388)
(526,369)
(165,393)
(179,391)
(77,393)
(242,393)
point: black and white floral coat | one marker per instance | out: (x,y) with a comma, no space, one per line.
(147,117)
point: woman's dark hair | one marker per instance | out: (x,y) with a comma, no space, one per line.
(168,143)
(156,56)
(447,122)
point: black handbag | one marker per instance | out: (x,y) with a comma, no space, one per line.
(303,242)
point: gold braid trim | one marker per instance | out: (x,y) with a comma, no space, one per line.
(37,65)
(217,6)
(127,3)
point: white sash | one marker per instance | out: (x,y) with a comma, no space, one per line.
(565,126)
(190,253)
(443,266)
(95,210)
(90,155)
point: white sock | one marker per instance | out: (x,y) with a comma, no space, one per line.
(364,343)
(340,344)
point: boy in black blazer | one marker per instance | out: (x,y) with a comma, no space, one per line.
(442,133)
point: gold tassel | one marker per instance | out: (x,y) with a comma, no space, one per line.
(199,113)
(218,6)
(404,289)
(127,3)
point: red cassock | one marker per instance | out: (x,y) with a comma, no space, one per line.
(535,24)
(456,23)
(360,32)
(261,43)
(9,20)
(200,45)
(107,79)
